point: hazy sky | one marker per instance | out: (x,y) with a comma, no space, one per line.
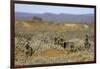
(52,9)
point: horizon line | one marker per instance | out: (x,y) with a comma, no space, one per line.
(55,13)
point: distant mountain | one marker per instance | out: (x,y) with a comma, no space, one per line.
(86,18)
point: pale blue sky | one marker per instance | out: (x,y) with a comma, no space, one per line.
(52,9)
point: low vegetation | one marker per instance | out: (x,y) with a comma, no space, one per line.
(41,42)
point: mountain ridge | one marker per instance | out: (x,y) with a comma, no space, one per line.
(62,17)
